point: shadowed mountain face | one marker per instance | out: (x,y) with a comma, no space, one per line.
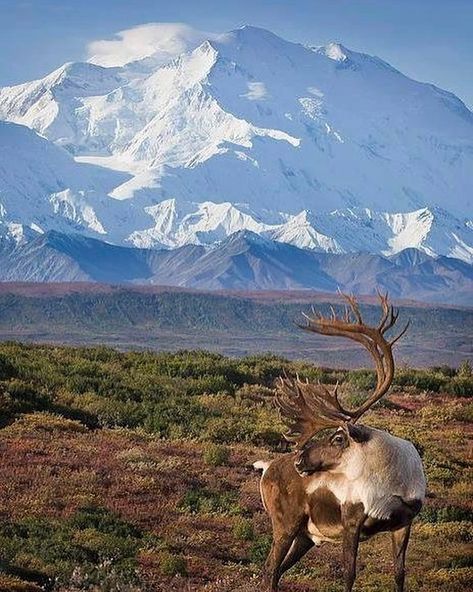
(243,261)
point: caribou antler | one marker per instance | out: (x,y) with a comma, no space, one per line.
(309,408)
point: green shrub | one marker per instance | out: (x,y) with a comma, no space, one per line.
(254,393)
(422,380)
(204,501)
(104,521)
(465,370)
(243,530)
(171,565)
(461,386)
(187,394)
(46,422)
(362,379)
(7,369)
(462,561)
(216,455)
(260,549)
(103,544)
(13,584)
(446,514)
(447,371)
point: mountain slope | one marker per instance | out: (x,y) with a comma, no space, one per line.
(42,187)
(302,116)
(246,261)
(57,257)
(242,261)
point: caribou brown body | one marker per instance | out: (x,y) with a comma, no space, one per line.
(351,484)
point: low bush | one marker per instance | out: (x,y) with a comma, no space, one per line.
(94,538)
(186,394)
(422,380)
(14,584)
(46,422)
(260,549)
(54,402)
(216,455)
(243,530)
(465,370)
(171,565)
(461,386)
(204,501)
(446,514)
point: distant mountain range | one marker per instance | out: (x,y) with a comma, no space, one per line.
(243,261)
(342,166)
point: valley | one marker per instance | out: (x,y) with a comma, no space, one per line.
(234,323)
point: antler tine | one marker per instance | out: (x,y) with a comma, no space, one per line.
(308,319)
(353,304)
(393,341)
(306,409)
(393,316)
(351,307)
(347,314)
(335,390)
(372,338)
(387,310)
(315,315)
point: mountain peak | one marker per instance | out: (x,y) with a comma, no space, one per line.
(253,32)
(257,39)
(409,257)
(247,237)
(335,51)
(82,72)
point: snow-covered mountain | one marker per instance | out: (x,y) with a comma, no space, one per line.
(323,148)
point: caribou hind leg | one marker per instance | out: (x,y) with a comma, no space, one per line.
(400,540)
(282,542)
(301,544)
(286,512)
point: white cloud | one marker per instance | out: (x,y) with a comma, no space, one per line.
(256,91)
(164,40)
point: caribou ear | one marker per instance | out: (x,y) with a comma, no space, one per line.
(358,433)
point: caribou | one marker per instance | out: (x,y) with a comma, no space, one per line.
(344,482)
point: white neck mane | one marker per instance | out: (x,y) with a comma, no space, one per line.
(376,473)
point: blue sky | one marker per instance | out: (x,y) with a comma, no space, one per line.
(430,40)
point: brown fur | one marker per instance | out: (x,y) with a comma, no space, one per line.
(325,513)
(298,518)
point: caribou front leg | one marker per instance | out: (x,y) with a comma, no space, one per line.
(353,516)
